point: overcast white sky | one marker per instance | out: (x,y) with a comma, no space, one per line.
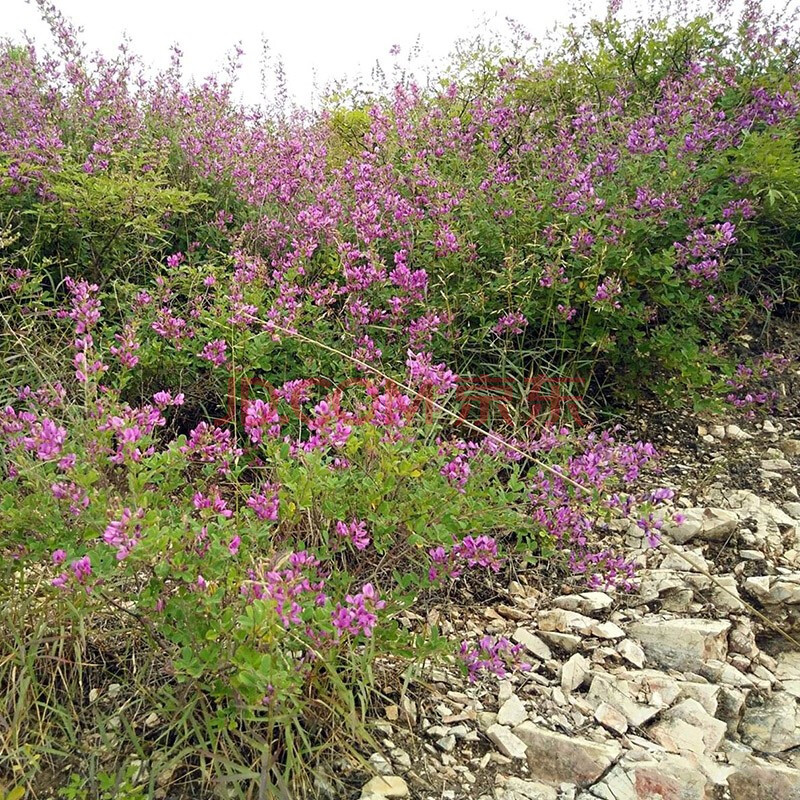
(333,38)
(330,38)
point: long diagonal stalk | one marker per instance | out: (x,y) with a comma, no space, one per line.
(509,446)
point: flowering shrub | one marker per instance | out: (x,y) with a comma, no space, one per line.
(623,226)
(263,565)
(752,385)
(162,245)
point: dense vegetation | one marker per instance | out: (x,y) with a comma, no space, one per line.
(239,348)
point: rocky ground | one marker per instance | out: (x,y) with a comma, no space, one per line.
(675,692)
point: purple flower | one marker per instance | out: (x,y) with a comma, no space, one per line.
(261,420)
(423,374)
(457,472)
(292,590)
(81,569)
(122,535)
(165,399)
(211,445)
(330,424)
(215,352)
(174,329)
(472,552)
(77,497)
(213,504)
(265,503)
(513,322)
(355,532)
(127,346)
(46,439)
(358,615)
(607,290)
(390,410)
(496,656)
(85,307)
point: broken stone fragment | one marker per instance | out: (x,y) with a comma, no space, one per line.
(787,671)
(721,672)
(585,603)
(678,736)
(776,465)
(775,591)
(712,524)
(736,434)
(790,447)
(631,652)
(607,630)
(556,758)
(758,780)
(742,639)
(619,694)
(730,707)
(512,712)
(574,672)
(532,644)
(610,718)
(506,742)
(707,694)
(712,730)
(519,789)
(562,621)
(567,642)
(661,776)
(684,561)
(725,594)
(682,644)
(385,786)
(773,726)
(380,764)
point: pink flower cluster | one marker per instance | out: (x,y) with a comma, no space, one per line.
(423,374)
(472,551)
(45,438)
(354,532)
(80,572)
(265,502)
(565,512)
(122,535)
(331,425)
(513,322)
(261,420)
(73,494)
(212,445)
(496,656)
(359,613)
(131,429)
(211,505)
(753,386)
(214,352)
(289,589)
(126,347)
(391,411)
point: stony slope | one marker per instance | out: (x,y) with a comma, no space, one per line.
(677,691)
